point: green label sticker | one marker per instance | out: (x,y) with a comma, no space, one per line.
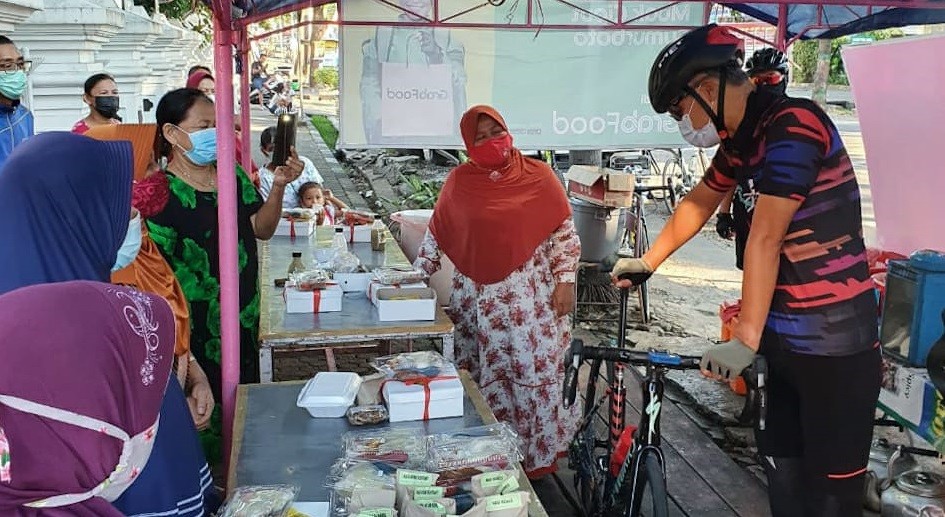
(415,478)
(497,503)
(433,506)
(426,493)
(493,479)
(510,485)
(376,512)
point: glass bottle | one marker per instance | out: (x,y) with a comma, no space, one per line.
(296,266)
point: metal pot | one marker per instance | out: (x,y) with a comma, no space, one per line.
(600,228)
(915,494)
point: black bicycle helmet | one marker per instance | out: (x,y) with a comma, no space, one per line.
(706,48)
(767,60)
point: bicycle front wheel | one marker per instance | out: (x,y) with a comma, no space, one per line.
(643,491)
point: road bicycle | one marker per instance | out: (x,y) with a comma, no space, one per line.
(622,473)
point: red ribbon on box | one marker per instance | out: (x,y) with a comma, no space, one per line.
(316,300)
(422,381)
(291,229)
(351,232)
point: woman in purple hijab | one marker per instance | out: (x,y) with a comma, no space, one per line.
(76,429)
(65,205)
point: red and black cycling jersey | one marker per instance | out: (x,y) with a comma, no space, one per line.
(824,301)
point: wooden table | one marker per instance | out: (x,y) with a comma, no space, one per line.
(276,442)
(357,323)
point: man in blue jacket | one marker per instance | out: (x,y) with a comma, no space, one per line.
(16,122)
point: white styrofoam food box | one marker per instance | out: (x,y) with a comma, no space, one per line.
(390,308)
(409,402)
(354,282)
(302,228)
(319,300)
(356,233)
(329,394)
(375,286)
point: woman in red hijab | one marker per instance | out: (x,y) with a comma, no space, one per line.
(505,222)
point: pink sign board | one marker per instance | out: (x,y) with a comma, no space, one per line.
(899,89)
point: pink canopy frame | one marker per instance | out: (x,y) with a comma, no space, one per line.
(228,33)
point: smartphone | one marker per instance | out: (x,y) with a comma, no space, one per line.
(285,139)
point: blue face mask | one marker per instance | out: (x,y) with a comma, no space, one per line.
(12,84)
(203,146)
(129,249)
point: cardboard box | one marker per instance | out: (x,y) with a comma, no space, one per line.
(440,397)
(358,233)
(375,286)
(390,308)
(319,300)
(601,186)
(908,396)
(354,282)
(302,228)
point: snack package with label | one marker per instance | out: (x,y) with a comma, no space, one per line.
(393,446)
(495,483)
(357,484)
(411,365)
(376,512)
(399,275)
(367,415)
(429,508)
(514,504)
(259,501)
(310,280)
(473,451)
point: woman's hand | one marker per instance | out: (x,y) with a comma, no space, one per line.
(562,300)
(285,174)
(199,396)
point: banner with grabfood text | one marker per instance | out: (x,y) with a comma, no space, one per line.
(407,87)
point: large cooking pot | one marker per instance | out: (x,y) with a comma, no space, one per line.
(600,229)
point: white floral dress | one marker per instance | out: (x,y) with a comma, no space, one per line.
(513,344)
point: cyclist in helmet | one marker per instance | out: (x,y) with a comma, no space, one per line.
(807,300)
(768,69)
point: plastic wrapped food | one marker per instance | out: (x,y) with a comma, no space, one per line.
(345,262)
(481,449)
(357,484)
(259,501)
(412,365)
(310,280)
(397,275)
(357,217)
(367,415)
(395,446)
(300,214)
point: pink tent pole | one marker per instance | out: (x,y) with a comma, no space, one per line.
(782,36)
(226,214)
(245,122)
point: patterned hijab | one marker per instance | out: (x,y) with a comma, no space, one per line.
(65,201)
(117,382)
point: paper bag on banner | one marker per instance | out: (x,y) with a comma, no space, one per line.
(416,100)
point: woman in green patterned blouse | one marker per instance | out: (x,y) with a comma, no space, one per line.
(186,232)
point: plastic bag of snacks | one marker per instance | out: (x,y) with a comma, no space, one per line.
(367,415)
(514,504)
(310,280)
(376,512)
(462,454)
(394,446)
(411,365)
(399,275)
(259,501)
(357,484)
(493,483)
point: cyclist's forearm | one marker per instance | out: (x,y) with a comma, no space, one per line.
(690,216)
(762,259)
(726,206)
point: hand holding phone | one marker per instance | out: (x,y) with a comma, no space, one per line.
(285,139)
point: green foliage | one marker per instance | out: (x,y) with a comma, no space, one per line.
(194,15)
(327,76)
(804,55)
(326,129)
(423,193)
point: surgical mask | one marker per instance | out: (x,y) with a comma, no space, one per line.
(212,97)
(129,249)
(203,146)
(706,136)
(107,106)
(492,153)
(12,84)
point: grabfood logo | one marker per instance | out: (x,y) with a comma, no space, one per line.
(417,94)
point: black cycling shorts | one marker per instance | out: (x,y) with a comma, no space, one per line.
(821,409)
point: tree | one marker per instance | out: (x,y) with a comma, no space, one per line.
(192,14)
(822,72)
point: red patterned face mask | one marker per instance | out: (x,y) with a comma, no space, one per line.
(492,153)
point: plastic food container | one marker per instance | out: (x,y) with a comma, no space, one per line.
(329,394)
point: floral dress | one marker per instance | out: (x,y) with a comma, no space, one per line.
(185,231)
(513,344)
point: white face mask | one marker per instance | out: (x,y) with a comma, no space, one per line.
(706,136)
(129,249)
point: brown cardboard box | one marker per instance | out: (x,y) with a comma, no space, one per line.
(601,186)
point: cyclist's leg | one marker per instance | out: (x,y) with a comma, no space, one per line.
(780,445)
(838,404)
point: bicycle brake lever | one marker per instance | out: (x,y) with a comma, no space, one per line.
(756,400)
